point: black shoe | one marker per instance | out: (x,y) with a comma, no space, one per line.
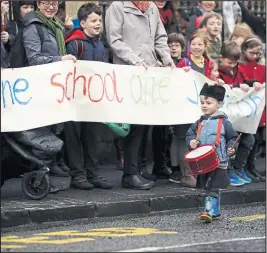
(144,173)
(81,183)
(255,173)
(176,177)
(54,189)
(56,171)
(252,176)
(136,182)
(162,173)
(62,165)
(145,180)
(100,182)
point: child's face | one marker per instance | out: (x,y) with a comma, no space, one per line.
(24,9)
(92,25)
(253,54)
(176,49)
(238,40)
(208,5)
(209,106)
(227,63)
(214,27)
(197,47)
(214,74)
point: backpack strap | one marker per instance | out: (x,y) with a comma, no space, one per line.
(40,31)
(79,48)
(219,129)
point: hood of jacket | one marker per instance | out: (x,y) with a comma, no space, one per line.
(218,115)
(30,18)
(78,34)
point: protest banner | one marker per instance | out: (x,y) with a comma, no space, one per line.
(47,94)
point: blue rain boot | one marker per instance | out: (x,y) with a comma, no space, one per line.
(217,207)
(208,210)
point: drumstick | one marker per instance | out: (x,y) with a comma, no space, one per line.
(236,141)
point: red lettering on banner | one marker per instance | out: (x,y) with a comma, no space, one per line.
(75,79)
(89,86)
(53,83)
(66,85)
(88,82)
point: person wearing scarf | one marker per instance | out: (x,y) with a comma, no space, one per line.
(51,48)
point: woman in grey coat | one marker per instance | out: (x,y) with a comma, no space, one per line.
(136,36)
(46,48)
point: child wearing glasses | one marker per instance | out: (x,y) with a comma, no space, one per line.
(176,43)
(252,59)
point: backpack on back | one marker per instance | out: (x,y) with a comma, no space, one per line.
(18,56)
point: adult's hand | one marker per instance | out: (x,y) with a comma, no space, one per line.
(4,37)
(68,57)
(142,64)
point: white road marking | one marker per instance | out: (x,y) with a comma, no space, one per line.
(149,249)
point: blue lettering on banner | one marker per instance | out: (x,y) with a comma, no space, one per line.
(195,102)
(21,85)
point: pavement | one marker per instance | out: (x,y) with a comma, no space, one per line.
(73,204)
(240,229)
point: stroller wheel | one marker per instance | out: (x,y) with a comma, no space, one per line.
(36,193)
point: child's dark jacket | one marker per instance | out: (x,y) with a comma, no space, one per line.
(93,48)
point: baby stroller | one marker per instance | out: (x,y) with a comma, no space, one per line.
(23,153)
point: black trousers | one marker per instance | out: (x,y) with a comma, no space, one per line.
(135,146)
(159,146)
(135,149)
(80,138)
(243,151)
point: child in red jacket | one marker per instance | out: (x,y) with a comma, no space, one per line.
(230,70)
(250,63)
(198,59)
(233,74)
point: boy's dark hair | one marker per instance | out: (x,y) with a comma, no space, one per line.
(177,37)
(87,9)
(230,50)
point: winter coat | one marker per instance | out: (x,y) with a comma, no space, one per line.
(186,61)
(208,135)
(214,49)
(134,36)
(235,78)
(36,52)
(256,71)
(93,48)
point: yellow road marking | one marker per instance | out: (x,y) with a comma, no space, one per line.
(249,217)
(109,232)
(12,246)
(45,238)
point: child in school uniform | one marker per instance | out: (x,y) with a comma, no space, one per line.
(216,130)
(234,75)
(198,58)
(252,64)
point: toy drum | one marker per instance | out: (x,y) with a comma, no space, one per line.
(202,160)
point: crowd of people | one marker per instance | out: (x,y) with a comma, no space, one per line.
(144,34)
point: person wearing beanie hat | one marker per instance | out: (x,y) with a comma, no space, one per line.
(213,124)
